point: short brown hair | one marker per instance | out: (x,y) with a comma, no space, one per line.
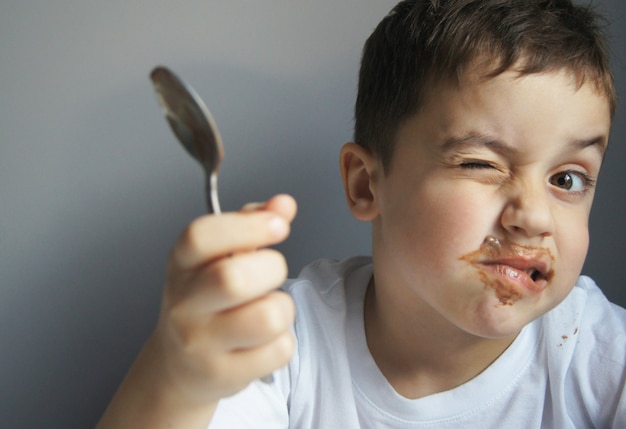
(421,42)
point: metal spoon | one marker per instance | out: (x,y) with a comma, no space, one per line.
(195,128)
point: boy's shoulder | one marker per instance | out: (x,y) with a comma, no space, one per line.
(327,277)
(588,312)
(584,343)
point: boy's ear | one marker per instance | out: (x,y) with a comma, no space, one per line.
(358,170)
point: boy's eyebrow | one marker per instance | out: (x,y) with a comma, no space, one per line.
(475,139)
(599,142)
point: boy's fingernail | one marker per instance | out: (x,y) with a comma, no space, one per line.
(278,225)
(251,207)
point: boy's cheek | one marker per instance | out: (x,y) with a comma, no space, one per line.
(572,254)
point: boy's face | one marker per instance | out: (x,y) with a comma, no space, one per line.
(483,216)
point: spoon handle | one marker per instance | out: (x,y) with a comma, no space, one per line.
(212,201)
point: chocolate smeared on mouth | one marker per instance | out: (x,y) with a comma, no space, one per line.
(536,262)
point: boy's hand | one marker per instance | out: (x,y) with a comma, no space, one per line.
(222,323)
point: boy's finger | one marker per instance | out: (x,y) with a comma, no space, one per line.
(282,204)
(212,237)
(252,363)
(230,282)
(254,324)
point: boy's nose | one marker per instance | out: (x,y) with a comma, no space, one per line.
(528,212)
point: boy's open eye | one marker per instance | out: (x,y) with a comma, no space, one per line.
(572,181)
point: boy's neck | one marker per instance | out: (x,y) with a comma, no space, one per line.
(421,354)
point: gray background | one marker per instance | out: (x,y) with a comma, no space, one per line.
(93,188)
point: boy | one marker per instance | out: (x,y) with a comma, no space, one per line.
(480,132)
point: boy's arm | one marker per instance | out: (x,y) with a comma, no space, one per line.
(222,324)
(145,400)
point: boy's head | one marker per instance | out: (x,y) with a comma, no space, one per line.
(481,126)
(424,42)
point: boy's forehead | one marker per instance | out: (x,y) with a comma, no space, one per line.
(461,94)
(484,68)
(480,71)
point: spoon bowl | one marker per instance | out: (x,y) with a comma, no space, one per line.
(194,126)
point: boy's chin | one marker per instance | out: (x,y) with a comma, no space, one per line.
(497,322)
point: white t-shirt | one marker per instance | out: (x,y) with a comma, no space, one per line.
(567,369)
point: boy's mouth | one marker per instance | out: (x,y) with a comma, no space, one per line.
(512,270)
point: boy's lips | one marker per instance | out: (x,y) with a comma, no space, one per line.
(533,273)
(512,270)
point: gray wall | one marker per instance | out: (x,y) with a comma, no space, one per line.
(93,188)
